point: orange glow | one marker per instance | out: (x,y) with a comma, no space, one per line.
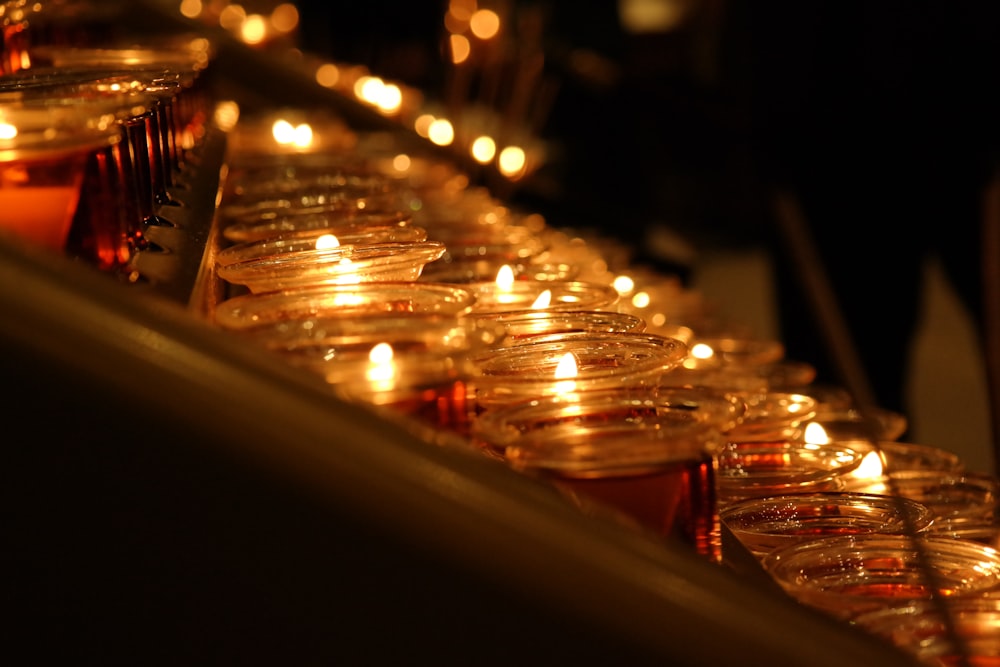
(327,75)
(460,48)
(483,149)
(390,98)
(285,17)
(484,24)
(401,163)
(641,300)
(422,124)
(462,9)
(512,161)
(441,132)
(191,8)
(232,17)
(254,29)
(623,285)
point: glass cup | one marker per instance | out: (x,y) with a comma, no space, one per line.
(527,295)
(524,325)
(777,467)
(268,227)
(427,388)
(847,576)
(572,363)
(313,239)
(339,265)
(313,305)
(964,631)
(54,171)
(767,523)
(656,470)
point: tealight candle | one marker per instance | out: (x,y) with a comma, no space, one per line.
(506,294)
(538,367)
(649,458)
(340,265)
(319,302)
(429,388)
(850,575)
(770,522)
(521,325)
(757,469)
(318,239)
(335,222)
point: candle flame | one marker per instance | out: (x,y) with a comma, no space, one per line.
(871,467)
(566,370)
(702,351)
(505,278)
(567,367)
(327,241)
(382,370)
(544,300)
(815,433)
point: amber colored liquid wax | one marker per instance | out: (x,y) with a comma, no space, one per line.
(41,215)
(446,406)
(674,499)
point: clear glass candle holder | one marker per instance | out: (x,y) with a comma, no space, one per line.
(475,269)
(524,325)
(874,423)
(950,496)
(773,416)
(572,363)
(659,471)
(604,410)
(340,265)
(351,191)
(527,295)
(313,240)
(851,575)
(320,302)
(768,523)
(773,468)
(942,633)
(54,171)
(730,351)
(268,227)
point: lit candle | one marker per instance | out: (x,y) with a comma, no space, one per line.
(529,369)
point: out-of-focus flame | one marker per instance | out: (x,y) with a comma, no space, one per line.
(543,301)
(871,468)
(623,285)
(327,241)
(566,371)
(505,278)
(815,433)
(381,370)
